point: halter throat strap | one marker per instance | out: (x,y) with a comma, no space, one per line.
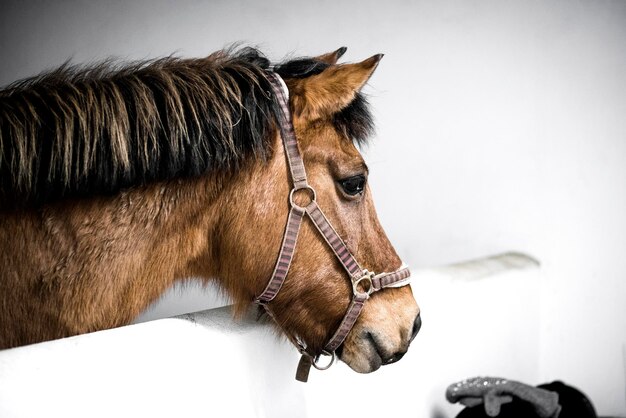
(364,283)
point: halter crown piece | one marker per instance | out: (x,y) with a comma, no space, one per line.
(364,282)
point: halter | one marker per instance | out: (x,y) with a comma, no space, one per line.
(364,282)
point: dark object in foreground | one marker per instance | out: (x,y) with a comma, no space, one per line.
(497,397)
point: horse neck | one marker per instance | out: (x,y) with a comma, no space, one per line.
(118,254)
(98,262)
(179,219)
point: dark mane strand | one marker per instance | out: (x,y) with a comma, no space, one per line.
(355,121)
(79,131)
(300,68)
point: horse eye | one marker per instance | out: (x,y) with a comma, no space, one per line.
(353,185)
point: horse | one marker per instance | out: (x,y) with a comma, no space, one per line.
(119,180)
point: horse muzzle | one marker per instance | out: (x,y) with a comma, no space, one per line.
(376,340)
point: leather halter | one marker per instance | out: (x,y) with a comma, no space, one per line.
(364,282)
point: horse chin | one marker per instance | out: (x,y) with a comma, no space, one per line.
(361,355)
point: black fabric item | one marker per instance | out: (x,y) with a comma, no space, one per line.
(574,403)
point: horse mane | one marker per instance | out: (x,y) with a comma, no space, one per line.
(83,131)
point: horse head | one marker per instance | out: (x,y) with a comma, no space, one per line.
(330,117)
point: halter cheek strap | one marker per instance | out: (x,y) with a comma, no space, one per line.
(364,283)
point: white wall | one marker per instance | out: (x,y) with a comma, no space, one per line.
(206,364)
(500,126)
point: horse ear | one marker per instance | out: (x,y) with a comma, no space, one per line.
(331,58)
(333,89)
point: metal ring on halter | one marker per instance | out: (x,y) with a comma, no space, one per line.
(316,359)
(294,190)
(368,278)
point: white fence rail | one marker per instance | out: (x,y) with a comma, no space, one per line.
(480,318)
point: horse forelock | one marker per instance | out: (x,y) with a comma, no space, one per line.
(80,131)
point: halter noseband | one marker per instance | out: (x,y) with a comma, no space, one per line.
(364,282)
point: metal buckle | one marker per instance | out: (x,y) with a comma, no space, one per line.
(312,196)
(367,277)
(327,366)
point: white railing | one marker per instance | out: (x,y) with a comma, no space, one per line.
(480,318)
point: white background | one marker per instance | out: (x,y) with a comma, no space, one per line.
(501,125)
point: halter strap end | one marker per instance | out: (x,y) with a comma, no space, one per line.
(304,367)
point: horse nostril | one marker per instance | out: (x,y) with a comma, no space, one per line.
(417,324)
(394,358)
